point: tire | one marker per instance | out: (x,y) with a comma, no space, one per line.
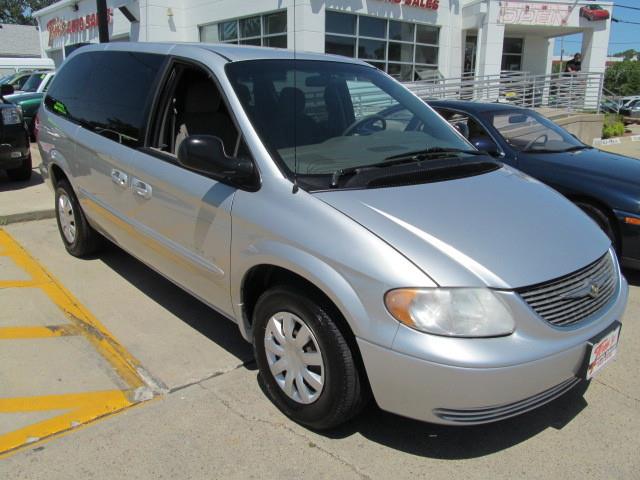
(78,237)
(602,220)
(341,394)
(23,172)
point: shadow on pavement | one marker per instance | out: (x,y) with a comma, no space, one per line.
(464,442)
(181,304)
(7,185)
(392,431)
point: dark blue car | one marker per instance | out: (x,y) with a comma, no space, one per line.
(605,185)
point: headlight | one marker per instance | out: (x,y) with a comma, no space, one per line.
(12,116)
(454,312)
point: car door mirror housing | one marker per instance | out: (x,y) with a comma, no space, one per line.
(486,145)
(205,154)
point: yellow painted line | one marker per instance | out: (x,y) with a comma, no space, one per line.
(12,333)
(82,407)
(121,360)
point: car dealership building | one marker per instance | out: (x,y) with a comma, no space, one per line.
(410,39)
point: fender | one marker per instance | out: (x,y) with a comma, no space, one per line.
(324,276)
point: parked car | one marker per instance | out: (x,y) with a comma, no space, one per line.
(368,253)
(594,13)
(631,109)
(17,80)
(29,103)
(604,185)
(38,82)
(15,156)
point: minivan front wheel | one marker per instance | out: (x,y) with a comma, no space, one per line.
(77,235)
(305,363)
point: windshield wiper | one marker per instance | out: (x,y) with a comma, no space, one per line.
(405,158)
(575,148)
(433,151)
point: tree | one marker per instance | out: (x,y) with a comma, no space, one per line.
(627,54)
(19,11)
(623,78)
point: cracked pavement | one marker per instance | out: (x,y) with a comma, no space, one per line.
(212,420)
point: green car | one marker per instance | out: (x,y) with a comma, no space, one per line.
(29,102)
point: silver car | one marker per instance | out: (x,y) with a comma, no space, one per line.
(363,253)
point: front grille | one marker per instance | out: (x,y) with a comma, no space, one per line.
(572,298)
(500,412)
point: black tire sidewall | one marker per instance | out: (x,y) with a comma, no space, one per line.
(602,220)
(76,248)
(316,318)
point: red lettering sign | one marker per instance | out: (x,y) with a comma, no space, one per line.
(425,4)
(58,27)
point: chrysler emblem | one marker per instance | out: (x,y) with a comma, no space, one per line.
(588,288)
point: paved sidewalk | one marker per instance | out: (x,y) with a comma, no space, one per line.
(23,201)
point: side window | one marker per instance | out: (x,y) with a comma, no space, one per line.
(107,93)
(63,97)
(194,106)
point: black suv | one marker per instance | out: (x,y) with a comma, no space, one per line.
(15,156)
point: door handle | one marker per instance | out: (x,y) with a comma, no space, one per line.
(141,188)
(119,178)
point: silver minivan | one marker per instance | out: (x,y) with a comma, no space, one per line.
(356,238)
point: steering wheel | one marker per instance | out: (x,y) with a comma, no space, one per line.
(535,140)
(370,119)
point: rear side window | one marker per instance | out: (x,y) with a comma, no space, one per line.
(107,93)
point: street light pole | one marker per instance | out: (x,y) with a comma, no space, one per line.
(103,21)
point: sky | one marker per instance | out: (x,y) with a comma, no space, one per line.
(623,35)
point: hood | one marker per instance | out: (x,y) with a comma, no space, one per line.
(502,229)
(595,162)
(21,97)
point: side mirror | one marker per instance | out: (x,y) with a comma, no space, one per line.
(205,154)
(6,89)
(462,128)
(486,145)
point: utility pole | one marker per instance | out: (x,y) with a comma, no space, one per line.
(103,21)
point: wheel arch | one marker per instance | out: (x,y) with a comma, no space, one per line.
(604,208)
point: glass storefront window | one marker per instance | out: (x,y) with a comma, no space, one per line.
(261,30)
(405,50)
(402,31)
(250,27)
(344,46)
(372,49)
(373,27)
(337,22)
(512,54)
(400,52)
(427,34)
(275,23)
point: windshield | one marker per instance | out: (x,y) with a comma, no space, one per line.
(531,132)
(34,81)
(319,117)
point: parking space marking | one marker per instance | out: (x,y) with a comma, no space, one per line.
(80,407)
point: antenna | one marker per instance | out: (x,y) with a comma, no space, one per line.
(295,84)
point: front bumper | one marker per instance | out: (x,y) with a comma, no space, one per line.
(474,381)
(14,145)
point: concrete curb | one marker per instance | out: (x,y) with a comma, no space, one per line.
(615,140)
(27,216)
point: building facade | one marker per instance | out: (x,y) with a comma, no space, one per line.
(410,39)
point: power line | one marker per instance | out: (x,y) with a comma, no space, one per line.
(625,6)
(624,21)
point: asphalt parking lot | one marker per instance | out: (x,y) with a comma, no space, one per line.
(134,377)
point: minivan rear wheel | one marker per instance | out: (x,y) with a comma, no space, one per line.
(304,360)
(77,235)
